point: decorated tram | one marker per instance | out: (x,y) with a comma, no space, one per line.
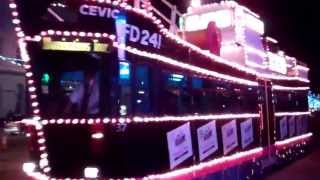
(123,89)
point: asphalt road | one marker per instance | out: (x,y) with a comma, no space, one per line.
(307,168)
(12,158)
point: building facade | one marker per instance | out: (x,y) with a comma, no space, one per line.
(12,81)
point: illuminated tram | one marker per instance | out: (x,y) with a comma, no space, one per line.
(118,90)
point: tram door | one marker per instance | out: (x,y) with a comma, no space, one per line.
(266,109)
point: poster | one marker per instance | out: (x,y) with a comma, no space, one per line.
(229,136)
(283,127)
(246,133)
(207,140)
(179,145)
(292,126)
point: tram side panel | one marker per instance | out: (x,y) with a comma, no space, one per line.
(70,146)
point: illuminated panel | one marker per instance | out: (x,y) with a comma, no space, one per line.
(277,63)
(195,3)
(223,19)
(293,140)
(101,47)
(65,46)
(253,23)
(48,44)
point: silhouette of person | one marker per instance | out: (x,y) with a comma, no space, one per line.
(85,98)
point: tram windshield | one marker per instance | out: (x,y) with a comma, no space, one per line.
(73,84)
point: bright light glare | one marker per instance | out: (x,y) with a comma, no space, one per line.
(28,167)
(222,18)
(97,135)
(195,3)
(91,172)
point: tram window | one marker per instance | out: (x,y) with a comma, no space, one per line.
(198,94)
(197,83)
(250,100)
(285,101)
(176,98)
(301,101)
(71,84)
(142,86)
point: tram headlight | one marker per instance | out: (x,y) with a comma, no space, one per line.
(91,172)
(28,167)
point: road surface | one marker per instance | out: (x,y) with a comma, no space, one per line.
(12,158)
(307,168)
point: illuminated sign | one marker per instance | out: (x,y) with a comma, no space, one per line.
(207,140)
(48,44)
(179,145)
(229,137)
(246,128)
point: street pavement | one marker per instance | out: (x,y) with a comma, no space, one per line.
(12,158)
(307,168)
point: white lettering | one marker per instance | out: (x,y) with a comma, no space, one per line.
(115,13)
(102,12)
(143,36)
(134,33)
(99,11)
(84,9)
(93,10)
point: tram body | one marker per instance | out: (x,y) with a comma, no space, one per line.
(115,94)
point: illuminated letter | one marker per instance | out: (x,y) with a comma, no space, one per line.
(134,33)
(83,9)
(93,10)
(102,11)
(114,13)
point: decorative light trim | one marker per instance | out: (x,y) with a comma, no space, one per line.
(29,75)
(280,114)
(158,57)
(194,171)
(38,176)
(206,166)
(293,140)
(271,40)
(176,63)
(43,162)
(150,119)
(302,68)
(284,88)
